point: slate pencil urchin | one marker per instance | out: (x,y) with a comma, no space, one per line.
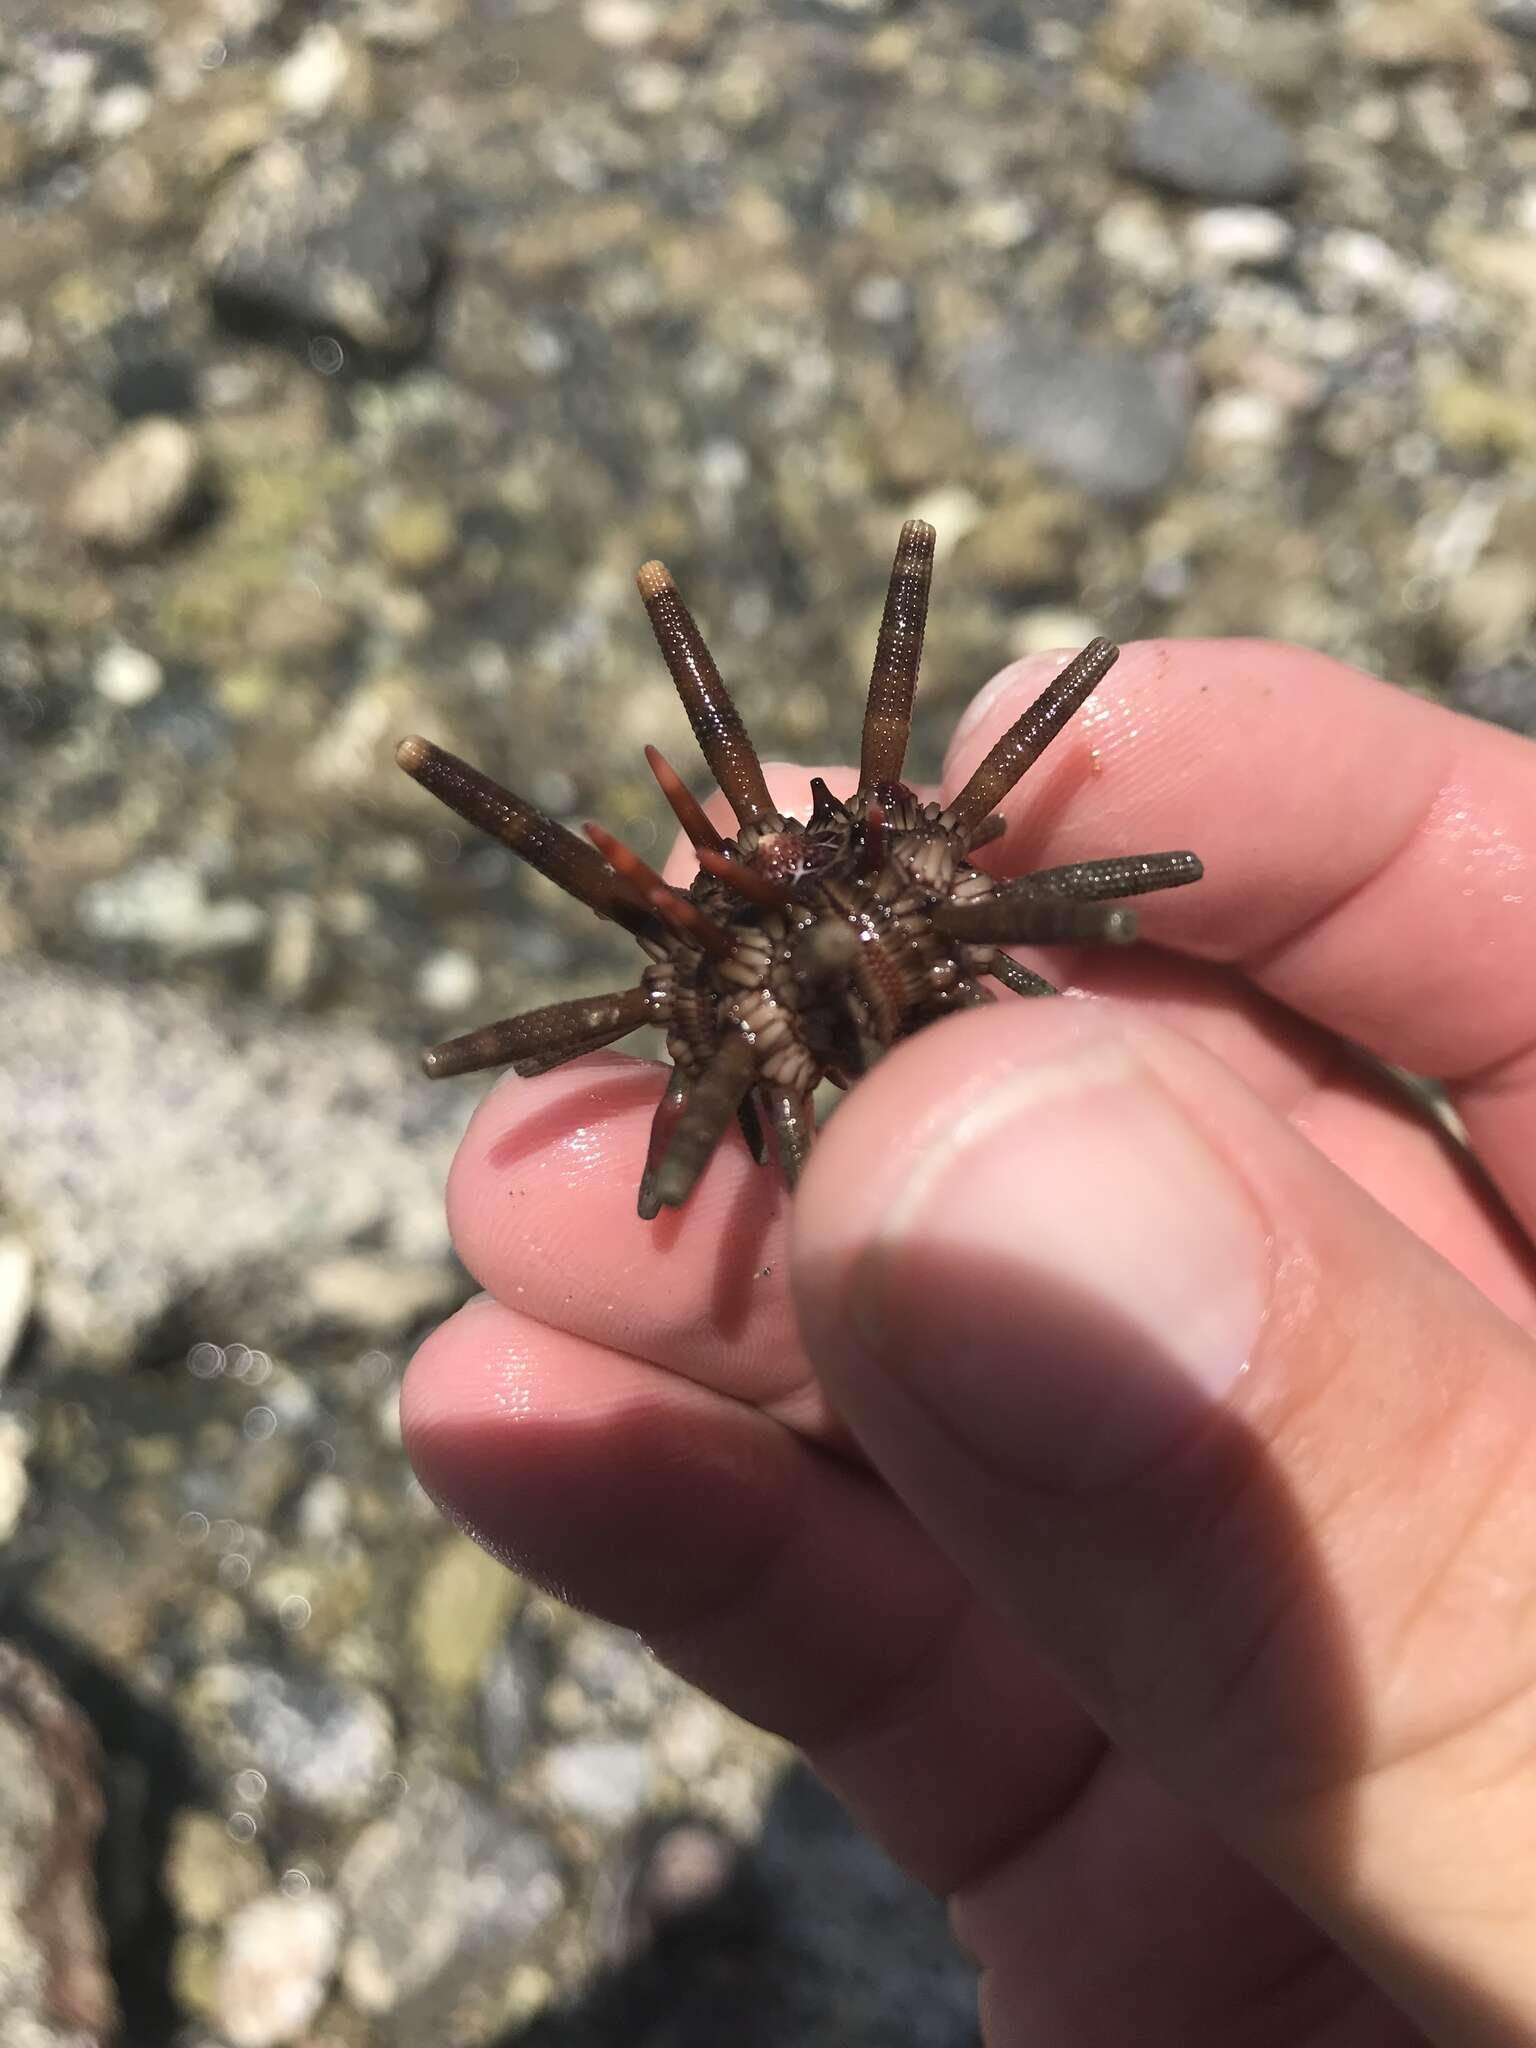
(801,951)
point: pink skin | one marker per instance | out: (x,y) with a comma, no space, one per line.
(639,1413)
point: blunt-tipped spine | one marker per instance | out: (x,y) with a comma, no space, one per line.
(707,1110)
(898,657)
(1031,733)
(530,833)
(541,1039)
(715,720)
(1130,874)
(1016,919)
(792,1119)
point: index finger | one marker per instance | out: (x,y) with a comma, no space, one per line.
(1369,856)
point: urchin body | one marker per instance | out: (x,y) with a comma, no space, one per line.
(804,948)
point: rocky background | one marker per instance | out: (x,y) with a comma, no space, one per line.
(352,353)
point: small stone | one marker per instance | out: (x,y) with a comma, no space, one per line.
(333,236)
(621,24)
(509,1705)
(1045,630)
(17,1269)
(145,487)
(1239,237)
(1505,694)
(449,981)
(441,1889)
(322,71)
(1244,419)
(415,532)
(55,1989)
(380,1296)
(208,1874)
(603,1780)
(278,1959)
(460,1614)
(325,1744)
(405,25)
(1204,135)
(126,675)
(1111,422)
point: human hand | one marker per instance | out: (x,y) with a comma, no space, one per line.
(1118,1470)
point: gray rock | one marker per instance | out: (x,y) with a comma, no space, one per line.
(147,485)
(182,1177)
(278,1959)
(1204,135)
(320,1742)
(1113,423)
(443,1886)
(336,235)
(55,1991)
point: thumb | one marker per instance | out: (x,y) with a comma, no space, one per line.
(1251,1466)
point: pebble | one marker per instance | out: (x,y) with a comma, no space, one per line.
(318,1740)
(1111,422)
(141,490)
(126,675)
(464,1601)
(605,1780)
(509,1706)
(442,1887)
(208,1874)
(17,1275)
(330,235)
(157,1155)
(1204,135)
(1239,237)
(448,981)
(165,903)
(322,67)
(278,1959)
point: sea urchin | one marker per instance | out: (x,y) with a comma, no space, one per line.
(801,951)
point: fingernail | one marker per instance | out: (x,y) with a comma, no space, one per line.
(1071,1278)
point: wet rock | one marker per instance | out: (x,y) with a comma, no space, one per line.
(159,1156)
(146,487)
(278,1960)
(317,1740)
(1113,423)
(441,1887)
(1205,135)
(55,1991)
(338,235)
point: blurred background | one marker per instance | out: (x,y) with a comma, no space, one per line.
(352,354)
